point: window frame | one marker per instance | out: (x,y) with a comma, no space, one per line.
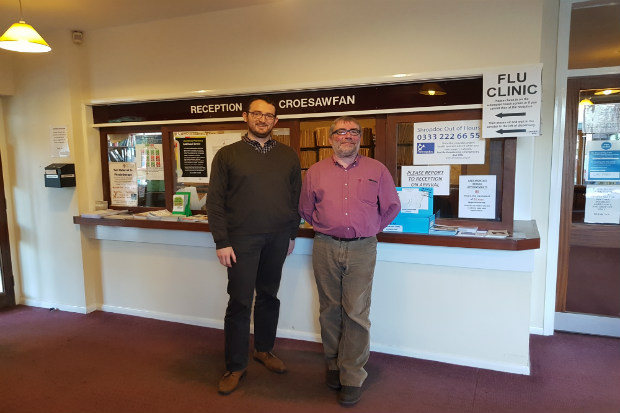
(105,167)
(503,151)
(503,164)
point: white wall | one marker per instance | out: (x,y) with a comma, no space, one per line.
(272,47)
(48,264)
(455,312)
(295,43)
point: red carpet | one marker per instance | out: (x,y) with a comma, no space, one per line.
(54,361)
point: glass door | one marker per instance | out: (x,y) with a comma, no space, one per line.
(588,292)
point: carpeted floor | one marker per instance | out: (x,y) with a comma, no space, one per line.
(53,361)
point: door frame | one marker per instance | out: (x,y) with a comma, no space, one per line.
(566,321)
(7,296)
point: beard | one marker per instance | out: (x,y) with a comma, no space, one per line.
(345,150)
(261,133)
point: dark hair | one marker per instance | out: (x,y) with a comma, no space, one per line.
(263,98)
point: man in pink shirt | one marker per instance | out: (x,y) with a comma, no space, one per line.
(348,199)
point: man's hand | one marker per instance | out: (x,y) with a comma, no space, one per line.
(226,256)
(291,247)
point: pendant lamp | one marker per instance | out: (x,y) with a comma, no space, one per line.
(22,37)
(432,89)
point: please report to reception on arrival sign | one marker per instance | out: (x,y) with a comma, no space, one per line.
(511,101)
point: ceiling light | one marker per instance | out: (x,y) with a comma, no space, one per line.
(585,101)
(22,37)
(432,89)
(607,92)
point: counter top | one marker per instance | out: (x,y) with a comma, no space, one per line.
(529,230)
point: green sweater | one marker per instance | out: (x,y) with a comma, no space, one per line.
(252,192)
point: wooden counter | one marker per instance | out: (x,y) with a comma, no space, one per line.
(530,242)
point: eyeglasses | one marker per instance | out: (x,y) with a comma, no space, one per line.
(343,132)
(257,115)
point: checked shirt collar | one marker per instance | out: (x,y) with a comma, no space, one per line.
(256,145)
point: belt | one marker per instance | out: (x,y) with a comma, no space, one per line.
(346,239)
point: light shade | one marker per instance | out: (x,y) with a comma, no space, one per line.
(431,89)
(22,37)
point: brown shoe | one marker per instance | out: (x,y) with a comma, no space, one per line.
(270,361)
(230,381)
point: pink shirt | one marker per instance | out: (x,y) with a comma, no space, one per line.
(359,201)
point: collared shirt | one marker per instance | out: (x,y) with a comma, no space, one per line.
(269,144)
(357,201)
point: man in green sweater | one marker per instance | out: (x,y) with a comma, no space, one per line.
(252,206)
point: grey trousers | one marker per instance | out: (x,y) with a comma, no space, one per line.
(344,272)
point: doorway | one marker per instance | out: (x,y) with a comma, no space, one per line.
(588,284)
(7,293)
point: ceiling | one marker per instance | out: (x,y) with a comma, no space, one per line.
(594,40)
(85,15)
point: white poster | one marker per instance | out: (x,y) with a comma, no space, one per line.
(602,204)
(477,196)
(123,184)
(59,142)
(601,118)
(213,142)
(450,142)
(511,101)
(216,141)
(436,177)
(414,200)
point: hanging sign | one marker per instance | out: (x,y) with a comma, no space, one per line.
(358,99)
(511,101)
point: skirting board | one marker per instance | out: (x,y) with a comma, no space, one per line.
(588,324)
(293,334)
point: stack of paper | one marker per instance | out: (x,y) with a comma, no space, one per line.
(497,233)
(467,232)
(100,213)
(195,218)
(158,215)
(119,216)
(437,229)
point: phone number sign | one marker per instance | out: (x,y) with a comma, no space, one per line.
(450,142)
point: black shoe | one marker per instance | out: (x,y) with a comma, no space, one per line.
(349,395)
(333,379)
